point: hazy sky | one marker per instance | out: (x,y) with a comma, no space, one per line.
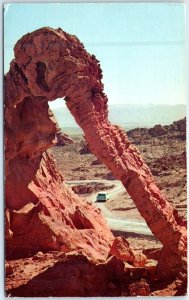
(141,46)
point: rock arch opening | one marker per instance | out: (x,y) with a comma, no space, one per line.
(56,65)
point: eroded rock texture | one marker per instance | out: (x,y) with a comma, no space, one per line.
(72,274)
(52,64)
(61,139)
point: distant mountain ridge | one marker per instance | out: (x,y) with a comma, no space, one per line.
(130,116)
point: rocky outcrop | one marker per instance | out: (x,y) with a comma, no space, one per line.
(52,64)
(96,162)
(72,274)
(61,139)
(180,125)
(157,130)
(85,149)
(59,220)
(91,187)
(121,250)
(176,130)
(58,274)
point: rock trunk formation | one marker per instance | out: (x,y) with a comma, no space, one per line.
(51,64)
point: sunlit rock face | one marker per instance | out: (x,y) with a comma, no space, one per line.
(44,213)
(61,139)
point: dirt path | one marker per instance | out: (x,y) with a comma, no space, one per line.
(118,223)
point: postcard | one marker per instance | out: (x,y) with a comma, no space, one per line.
(95,149)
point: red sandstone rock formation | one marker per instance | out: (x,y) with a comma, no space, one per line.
(121,249)
(52,64)
(61,139)
(72,274)
(58,220)
(42,213)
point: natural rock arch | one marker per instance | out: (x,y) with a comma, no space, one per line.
(51,64)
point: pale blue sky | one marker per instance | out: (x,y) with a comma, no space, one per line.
(141,46)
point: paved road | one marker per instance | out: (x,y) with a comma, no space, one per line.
(115,223)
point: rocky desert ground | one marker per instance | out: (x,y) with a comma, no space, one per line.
(163,149)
